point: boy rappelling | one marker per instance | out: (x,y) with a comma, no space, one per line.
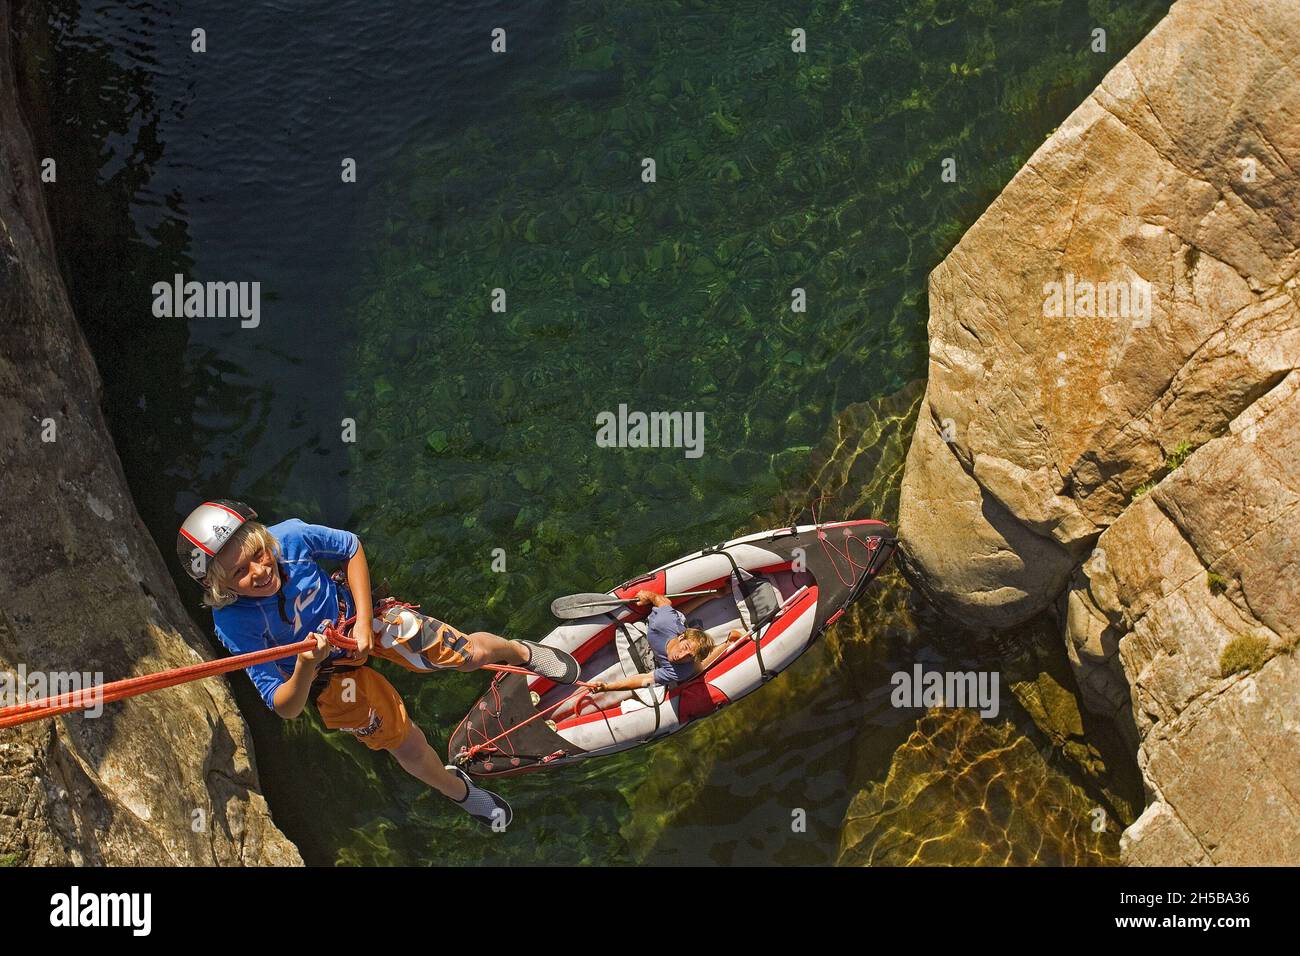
(266,589)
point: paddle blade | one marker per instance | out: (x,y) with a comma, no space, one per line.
(574,606)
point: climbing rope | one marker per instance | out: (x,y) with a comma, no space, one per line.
(87,698)
(84,699)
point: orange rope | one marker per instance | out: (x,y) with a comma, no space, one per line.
(134,686)
(74,700)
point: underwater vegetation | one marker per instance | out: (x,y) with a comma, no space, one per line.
(477,484)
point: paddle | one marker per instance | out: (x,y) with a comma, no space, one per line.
(585,605)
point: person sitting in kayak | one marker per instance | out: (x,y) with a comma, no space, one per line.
(680,652)
(266,589)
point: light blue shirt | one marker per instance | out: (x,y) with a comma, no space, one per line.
(663,624)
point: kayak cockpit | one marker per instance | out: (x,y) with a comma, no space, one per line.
(743,602)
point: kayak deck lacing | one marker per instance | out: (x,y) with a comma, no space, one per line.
(833,553)
(485,744)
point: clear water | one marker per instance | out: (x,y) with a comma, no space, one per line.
(475,430)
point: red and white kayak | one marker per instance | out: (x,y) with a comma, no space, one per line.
(782,587)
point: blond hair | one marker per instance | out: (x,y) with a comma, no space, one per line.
(702,646)
(251,539)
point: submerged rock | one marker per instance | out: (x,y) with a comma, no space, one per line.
(1110,417)
(1013,809)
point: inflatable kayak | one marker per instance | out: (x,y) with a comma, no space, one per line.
(781,588)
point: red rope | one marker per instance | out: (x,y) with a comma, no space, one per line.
(134,686)
(87,698)
(832,552)
(147,683)
(474,749)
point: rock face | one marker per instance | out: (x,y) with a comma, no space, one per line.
(1111,415)
(163,779)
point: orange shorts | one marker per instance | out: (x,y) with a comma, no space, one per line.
(360,701)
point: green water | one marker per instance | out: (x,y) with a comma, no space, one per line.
(775,170)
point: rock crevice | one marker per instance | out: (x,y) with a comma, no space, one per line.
(1137,466)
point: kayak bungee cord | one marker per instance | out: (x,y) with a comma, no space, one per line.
(490,743)
(84,699)
(833,552)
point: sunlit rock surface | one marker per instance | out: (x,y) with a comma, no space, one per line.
(1140,468)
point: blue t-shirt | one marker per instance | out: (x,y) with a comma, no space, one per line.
(310,600)
(663,624)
